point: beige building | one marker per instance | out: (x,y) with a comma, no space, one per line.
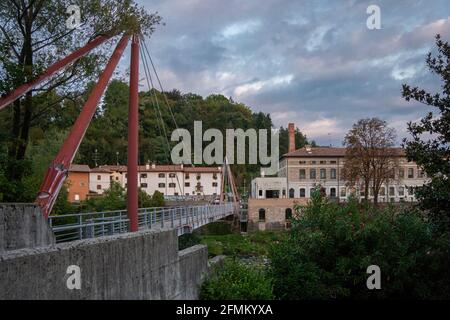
(303,170)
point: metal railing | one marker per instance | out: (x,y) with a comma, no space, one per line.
(184,219)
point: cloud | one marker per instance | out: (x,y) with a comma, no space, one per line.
(311,62)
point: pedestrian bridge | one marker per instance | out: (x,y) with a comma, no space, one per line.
(71,227)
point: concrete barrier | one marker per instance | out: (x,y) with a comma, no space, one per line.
(23,226)
(141,265)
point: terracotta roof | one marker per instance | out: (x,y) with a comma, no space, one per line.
(101,169)
(202,169)
(79,168)
(114,168)
(329,152)
(158,168)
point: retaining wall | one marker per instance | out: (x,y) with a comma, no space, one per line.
(141,265)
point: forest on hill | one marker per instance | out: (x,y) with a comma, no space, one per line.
(105,141)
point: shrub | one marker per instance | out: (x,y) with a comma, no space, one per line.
(330,247)
(236,281)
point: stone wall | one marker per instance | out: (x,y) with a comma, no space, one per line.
(275,212)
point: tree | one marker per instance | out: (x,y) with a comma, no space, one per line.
(34,35)
(430,143)
(370,158)
(330,247)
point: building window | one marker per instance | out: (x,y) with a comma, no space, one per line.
(262,215)
(161,185)
(187,184)
(323,173)
(411,173)
(199,176)
(420,174)
(392,191)
(260,193)
(291,193)
(323,162)
(99,187)
(401,173)
(144,185)
(288,214)
(312,173)
(214,184)
(215,176)
(382,191)
(302,192)
(333,174)
(143,176)
(99,177)
(333,162)
(302,162)
(172,175)
(333,192)
(311,192)
(161,175)
(172,185)
(77,197)
(186,176)
(343,192)
(401,191)
(302,174)
(313,162)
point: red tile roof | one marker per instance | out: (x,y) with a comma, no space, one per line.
(329,152)
(159,168)
(79,168)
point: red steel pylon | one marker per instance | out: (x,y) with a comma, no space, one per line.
(58,170)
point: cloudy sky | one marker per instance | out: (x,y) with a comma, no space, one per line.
(311,62)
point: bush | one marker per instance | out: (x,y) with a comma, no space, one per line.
(236,281)
(188,240)
(330,247)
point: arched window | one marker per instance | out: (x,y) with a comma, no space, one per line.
(262,215)
(333,192)
(291,193)
(288,214)
(302,192)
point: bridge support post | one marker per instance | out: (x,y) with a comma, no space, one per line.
(133,137)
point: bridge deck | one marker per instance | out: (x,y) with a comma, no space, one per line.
(72,227)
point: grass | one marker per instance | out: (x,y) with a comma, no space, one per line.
(252,244)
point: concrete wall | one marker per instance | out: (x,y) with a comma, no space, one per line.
(23,226)
(142,265)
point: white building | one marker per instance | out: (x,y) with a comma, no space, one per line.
(99,180)
(170,180)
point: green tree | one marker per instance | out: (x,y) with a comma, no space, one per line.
(33,35)
(330,247)
(430,143)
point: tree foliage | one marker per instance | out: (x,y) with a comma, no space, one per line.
(370,158)
(430,143)
(34,35)
(330,247)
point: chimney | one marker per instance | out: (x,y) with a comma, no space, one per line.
(153,165)
(291,129)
